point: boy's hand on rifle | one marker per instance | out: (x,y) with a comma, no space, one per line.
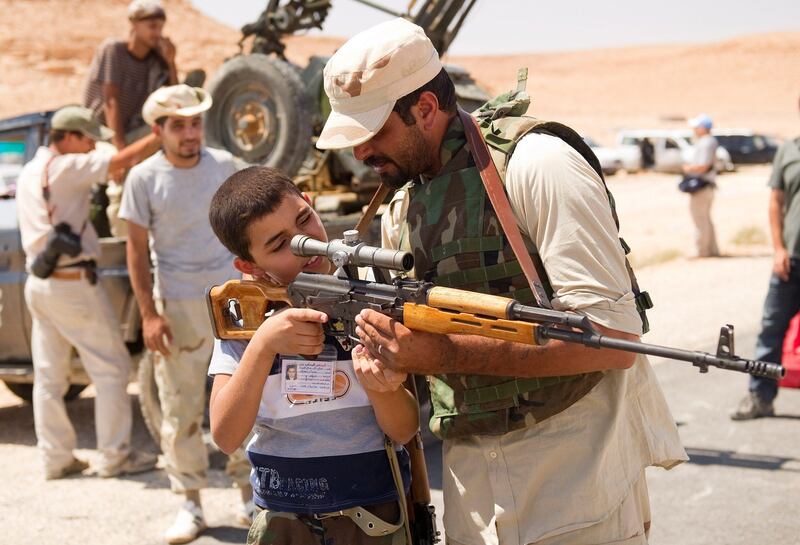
(293,331)
(373,375)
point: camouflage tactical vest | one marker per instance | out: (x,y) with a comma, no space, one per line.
(457,241)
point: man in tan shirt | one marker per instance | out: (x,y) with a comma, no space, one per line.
(575,476)
(68,307)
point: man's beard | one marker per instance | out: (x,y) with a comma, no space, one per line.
(410,160)
(194,150)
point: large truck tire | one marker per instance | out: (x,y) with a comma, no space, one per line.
(24,391)
(261,112)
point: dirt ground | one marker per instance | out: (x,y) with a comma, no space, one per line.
(703,502)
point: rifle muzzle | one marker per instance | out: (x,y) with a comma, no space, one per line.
(360,255)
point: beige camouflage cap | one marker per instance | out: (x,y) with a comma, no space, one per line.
(367,75)
(176,100)
(146,9)
(79,119)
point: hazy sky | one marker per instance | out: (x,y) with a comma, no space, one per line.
(536,25)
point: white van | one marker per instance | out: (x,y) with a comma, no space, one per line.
(662,150)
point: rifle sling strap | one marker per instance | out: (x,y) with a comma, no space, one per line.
(366,218)
(394,465)
(370,524)
(497,195)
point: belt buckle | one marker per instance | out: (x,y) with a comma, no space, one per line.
(323,516)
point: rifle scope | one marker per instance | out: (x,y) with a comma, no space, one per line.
(343,253)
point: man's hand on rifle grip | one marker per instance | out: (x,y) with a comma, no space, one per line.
(397,347)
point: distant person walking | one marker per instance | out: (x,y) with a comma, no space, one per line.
(166,204)
(699,181)
(783,297)
(68,306)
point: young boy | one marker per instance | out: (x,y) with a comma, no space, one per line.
(313,456)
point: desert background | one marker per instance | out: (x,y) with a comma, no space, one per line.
(743,481)
(750,81)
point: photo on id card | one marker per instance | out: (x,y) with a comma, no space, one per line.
(308,377)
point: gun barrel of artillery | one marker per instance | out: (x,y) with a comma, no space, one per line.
(701,359)
(359,255)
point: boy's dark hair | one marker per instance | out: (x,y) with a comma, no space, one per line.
(244,197)
(441,86)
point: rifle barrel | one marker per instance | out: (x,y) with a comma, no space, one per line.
(699,359)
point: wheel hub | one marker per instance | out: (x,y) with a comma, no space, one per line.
(252,122)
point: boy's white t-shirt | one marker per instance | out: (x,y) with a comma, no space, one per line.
(314,454)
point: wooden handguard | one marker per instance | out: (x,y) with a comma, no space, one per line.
(253,298)
(481,304)
(434,320)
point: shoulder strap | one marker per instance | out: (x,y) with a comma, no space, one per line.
(46,195)
(46,189)
(366,218)
(497,195)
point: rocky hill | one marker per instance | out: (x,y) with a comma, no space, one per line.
(752,81)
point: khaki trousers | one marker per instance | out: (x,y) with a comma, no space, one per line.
(181,381)
(628,524)
(69,313)
(700,208)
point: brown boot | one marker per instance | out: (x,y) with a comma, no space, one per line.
(752,407)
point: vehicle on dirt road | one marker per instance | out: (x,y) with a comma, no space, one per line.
(662,150)
(266,111)
(269,111)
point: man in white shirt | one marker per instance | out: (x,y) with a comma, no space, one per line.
(67,305)
(702,168)
(165,204)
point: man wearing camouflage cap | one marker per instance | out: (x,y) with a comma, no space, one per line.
(68,307)
(165,204)
(544,444)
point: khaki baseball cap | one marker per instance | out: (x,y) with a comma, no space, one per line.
(176,100)
(146,9)
(367,75)
(80,119)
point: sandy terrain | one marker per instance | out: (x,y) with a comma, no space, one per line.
(45,49)
(749,81)
(693,298)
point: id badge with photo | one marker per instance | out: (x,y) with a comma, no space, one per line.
(310,377)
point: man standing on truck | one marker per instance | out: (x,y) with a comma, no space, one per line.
(67,305)
(122,75)
(165,204)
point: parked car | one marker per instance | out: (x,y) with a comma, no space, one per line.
(662,150)
(609,158)
(745,146)
(19,138)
